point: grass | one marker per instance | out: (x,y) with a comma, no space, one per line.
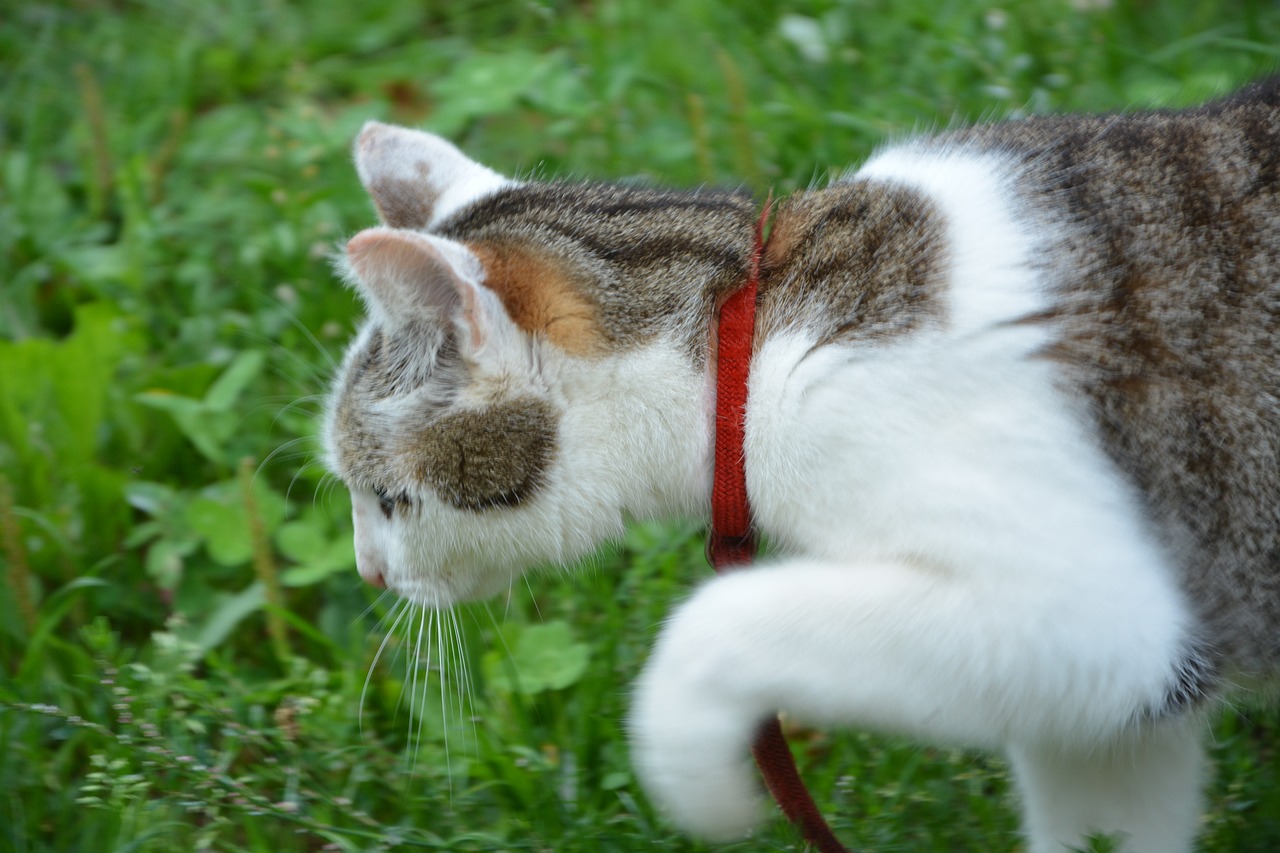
(183,642)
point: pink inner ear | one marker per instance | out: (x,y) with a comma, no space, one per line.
(403,272)
(369,248)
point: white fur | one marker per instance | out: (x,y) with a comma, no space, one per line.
(1146,787)
(968,568)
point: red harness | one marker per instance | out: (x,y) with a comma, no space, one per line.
(731,542)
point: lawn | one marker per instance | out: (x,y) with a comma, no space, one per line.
(187,658)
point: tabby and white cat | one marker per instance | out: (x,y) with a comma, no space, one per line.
(1013,430)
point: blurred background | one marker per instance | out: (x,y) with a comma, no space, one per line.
(187,658)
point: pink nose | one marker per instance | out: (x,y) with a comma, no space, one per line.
(373,577)
(370,570)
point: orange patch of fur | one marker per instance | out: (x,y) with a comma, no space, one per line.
(541,298)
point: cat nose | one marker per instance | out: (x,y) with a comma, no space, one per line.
(372,575)
(371,569)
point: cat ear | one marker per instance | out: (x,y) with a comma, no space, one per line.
(404,275)
(416,179)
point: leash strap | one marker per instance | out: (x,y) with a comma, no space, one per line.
(731,541)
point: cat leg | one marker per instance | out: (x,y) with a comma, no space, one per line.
(982,659)
(1145,787)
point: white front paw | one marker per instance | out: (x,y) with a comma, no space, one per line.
(690,745)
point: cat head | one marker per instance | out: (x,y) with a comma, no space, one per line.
(532,366)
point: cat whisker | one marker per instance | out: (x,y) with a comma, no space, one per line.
(292,316)
(532,597)
(396,602)
(412,675)
(303,375)
(466,688)
(386,638)
(297,474)
(405,645)
(506,604)
(315,342)
(444,703)
(497,632)
(281,452)
(324,490)
(284,404)
(313,403)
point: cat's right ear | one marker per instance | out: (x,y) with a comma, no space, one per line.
(405,275)
(417,179)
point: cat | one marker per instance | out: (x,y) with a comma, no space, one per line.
(1012,432)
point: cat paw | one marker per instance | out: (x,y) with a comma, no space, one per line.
(691,748)
(713,796)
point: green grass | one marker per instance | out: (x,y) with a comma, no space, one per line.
(183,641)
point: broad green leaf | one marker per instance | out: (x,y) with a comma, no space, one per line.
(304,540)
(53,393)
(224,528)
(142,533)
(84,371)
(318,553)
(151,498)
(220,518)
(488,83)
(338,557)
(166,559)
(206,429)
(228,387)
(544,657)
(209,422)
(312,573)
(52,612)
(225,612)
(96,263)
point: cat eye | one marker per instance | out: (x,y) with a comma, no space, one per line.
(386,503)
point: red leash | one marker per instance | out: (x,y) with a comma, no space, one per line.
(731,542)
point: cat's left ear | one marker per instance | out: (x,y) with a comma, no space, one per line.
(404,276)
(417,179)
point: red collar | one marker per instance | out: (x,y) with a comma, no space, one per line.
(730,541)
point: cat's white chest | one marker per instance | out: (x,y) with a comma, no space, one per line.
(957,455)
